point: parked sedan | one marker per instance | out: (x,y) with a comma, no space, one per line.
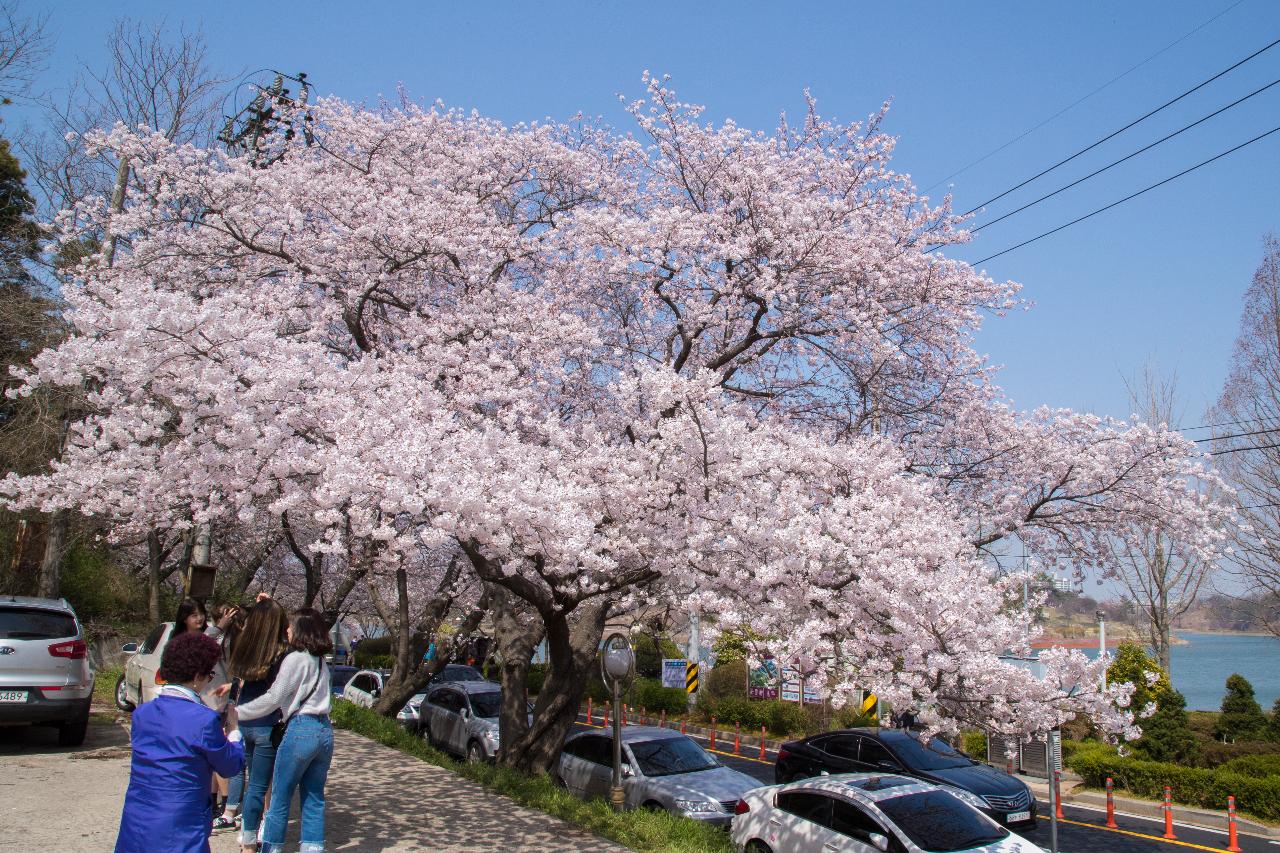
(365,687)
(999,795)
(462,717)
(339,675)
(865,813)
(138,683)
(661,769)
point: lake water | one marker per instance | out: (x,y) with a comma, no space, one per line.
(1201,666)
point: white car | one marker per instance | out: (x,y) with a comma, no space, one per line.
(139,682)
(365,687)
(865,813)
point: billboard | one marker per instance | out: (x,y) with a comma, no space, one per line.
(762,681)
(673,672)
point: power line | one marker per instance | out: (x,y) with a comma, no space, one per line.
(1258,420)
(1239,449)
(1129,197)
(1236,435)
(1116,133)
(1127,157)
(1081,100)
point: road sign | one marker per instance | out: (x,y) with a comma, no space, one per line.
(869,703)
(673,672)
(691,677)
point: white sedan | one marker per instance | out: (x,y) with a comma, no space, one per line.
(365,687)
(865,813)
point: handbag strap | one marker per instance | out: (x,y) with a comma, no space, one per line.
(314,688)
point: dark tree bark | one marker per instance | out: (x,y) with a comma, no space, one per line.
(411,672)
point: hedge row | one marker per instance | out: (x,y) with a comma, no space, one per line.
(1193,786)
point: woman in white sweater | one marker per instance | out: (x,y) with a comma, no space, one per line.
(301,693)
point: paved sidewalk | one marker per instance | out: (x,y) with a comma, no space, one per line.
(379,799)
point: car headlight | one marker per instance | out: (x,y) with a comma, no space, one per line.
(490,734)
(967,798)
(698,806)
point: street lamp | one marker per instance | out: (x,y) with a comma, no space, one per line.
(617,665)
(1102,644)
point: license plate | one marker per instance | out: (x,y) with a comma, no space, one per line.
(13,696)
(1015,817)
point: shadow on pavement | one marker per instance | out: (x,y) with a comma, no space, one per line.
(379,799)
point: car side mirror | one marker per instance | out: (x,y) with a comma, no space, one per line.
(878,841)
(129,648)
(376,693)
(628,771)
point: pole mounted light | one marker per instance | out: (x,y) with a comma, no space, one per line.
(617,667)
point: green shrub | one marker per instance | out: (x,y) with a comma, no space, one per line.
(1273,724)
(975,744)
(1259,796)
(1215,753)
(649,656)
(649,694)
(1241,716)
(371,652)
(725,680)
(780,718)
(1254,765)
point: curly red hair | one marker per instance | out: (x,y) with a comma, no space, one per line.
(188,656)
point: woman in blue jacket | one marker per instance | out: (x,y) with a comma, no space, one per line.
(178,744)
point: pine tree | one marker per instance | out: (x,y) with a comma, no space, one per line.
(1166,735)
(1242,717)
(1273,725)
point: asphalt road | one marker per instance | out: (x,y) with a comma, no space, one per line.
(1081,830)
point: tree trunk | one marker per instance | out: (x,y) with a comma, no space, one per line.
(55,542)
(155,556)
(572,649)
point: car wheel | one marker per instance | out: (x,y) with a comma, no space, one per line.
(122,695)
(755,845)
(73,733)
(475,753)
(653,806)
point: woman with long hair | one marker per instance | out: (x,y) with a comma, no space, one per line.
(256,655)
(178,744)
(191,617)
(300,693)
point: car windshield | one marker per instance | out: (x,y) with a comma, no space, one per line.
(486,704)
(341,675)
(672,755)
(938,755)
(937,822)
(460,672)
(32,623)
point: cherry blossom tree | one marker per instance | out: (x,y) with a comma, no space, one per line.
(700,364)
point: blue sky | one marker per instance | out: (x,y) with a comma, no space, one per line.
(1156,280)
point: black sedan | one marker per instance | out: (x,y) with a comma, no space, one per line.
(1004,798)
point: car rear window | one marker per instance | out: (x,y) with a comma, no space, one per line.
(32,623)
(938,822)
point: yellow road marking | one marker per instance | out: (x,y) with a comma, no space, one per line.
(1137,834)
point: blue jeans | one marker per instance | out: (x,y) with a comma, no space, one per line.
(259,759)
(302,763)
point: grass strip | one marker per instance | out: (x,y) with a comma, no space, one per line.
(645,831)
(104,685)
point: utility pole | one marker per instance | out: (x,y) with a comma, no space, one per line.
(1102,645)
(695,644)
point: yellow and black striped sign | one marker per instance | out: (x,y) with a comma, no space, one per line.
(691,677)
(869,703)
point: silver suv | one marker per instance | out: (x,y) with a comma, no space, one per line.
(45,677)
